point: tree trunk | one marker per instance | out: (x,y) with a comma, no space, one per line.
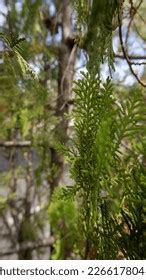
(67,53)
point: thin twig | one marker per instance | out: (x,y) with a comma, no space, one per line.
(131,57)
(126,55)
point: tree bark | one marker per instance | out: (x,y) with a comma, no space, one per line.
(67,53)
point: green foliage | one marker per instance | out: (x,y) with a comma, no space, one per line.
(15,52)
(24,115)
(3,203)
(64,222)
(104,171)
(96,21)
(31,14)
(28,230)
(103,216)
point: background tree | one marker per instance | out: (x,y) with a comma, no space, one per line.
(38,117)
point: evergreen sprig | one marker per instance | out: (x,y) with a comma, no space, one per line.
(96,20)
(110,198)
(14,50)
